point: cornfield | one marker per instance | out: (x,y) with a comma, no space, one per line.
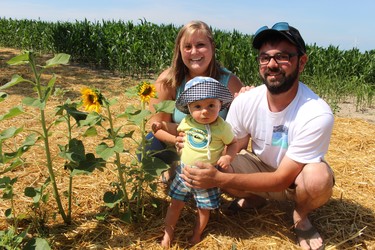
(144,49)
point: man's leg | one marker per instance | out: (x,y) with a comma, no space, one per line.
(247,162)
(313,189)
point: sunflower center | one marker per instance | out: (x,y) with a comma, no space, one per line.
(91,98)
(147,91)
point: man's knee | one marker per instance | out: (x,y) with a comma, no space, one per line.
(316,178)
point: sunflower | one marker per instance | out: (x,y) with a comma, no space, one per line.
(92,99)
(146,91)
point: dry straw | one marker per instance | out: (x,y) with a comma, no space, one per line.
(346,222)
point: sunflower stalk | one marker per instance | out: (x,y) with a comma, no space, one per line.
(43,92)
(143,149)
(70,185)
(121,173)
(43,97)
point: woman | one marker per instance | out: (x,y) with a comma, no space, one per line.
(194,55)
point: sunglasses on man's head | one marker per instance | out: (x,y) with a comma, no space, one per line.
(281,26)
(291,32)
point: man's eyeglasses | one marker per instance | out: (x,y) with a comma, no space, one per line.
(280,58)
(281,26)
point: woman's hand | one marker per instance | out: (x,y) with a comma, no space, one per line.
(156,126)
(243,90)
(202,175)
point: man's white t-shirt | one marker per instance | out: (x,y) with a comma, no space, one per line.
(301,131)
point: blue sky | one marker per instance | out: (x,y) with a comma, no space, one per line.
(341,23)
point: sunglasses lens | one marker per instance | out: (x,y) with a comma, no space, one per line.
(281,26)
(261,29)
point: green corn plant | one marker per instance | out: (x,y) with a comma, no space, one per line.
(144,49)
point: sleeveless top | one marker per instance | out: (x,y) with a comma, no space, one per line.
(177,115)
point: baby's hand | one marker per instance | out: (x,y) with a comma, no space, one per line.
(156,126)
(224,163)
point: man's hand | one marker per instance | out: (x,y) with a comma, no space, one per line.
(202,175)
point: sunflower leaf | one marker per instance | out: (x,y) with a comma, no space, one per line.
(58,59)
(167,106)
(12,113)
(33,102)
(20,59)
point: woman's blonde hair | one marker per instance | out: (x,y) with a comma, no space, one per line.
(178,69)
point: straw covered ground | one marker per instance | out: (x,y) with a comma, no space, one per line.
(346,222)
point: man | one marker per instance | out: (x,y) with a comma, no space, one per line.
(290,129)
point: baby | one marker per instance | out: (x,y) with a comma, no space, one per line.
(206,135)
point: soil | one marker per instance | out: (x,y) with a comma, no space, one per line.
(348,109)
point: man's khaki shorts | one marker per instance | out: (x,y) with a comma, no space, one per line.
(247,162)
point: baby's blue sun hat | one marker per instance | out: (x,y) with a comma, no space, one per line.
(200,88)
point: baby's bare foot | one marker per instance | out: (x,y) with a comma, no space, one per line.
(168,237)
(166,241)
(195,239)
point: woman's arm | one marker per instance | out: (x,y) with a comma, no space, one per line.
(234,84)
(164,92)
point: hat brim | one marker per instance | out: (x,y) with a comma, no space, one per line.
(201,91)
(262,36)
(259,38)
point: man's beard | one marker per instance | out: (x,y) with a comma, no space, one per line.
(285,83)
